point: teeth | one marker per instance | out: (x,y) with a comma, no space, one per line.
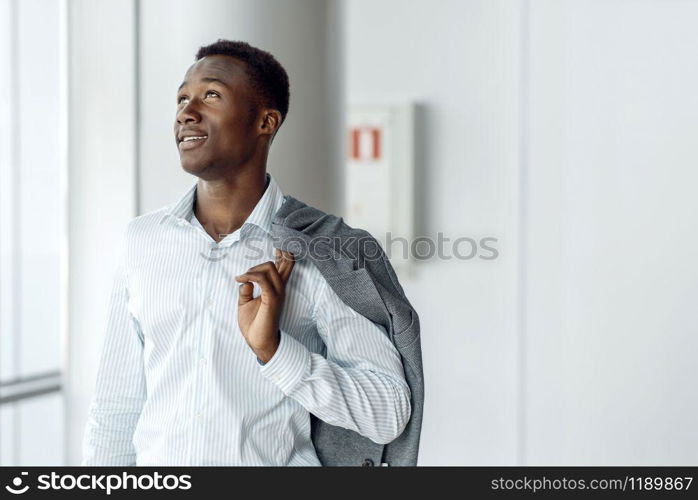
(193,138)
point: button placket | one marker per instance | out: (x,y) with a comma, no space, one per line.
(203,338)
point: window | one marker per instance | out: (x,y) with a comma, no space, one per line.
(33,230)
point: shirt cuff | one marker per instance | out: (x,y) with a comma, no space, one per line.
(288,365)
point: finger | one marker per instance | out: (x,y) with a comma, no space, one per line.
(245,293)
(285,262)
(264,281)
(270,270)
(288,263)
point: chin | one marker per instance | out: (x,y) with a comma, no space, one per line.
(194,168)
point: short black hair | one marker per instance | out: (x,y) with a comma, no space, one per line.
(267,75)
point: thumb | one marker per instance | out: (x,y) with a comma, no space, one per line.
(245,293)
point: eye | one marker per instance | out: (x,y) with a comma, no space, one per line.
(208,92)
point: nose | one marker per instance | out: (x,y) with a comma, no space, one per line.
(188,113)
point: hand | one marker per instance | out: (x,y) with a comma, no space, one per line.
(258,318)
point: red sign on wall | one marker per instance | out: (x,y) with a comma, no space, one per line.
(365,143)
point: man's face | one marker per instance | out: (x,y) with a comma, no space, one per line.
(217,105)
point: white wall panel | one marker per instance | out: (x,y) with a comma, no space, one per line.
(102,187)
(612,274)
(459,61)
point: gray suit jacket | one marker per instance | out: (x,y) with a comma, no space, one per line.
(357,269)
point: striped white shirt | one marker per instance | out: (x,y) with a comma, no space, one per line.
(177,382)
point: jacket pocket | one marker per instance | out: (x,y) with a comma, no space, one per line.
(406,334)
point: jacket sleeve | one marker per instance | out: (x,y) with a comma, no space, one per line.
(120,387)
(360,385)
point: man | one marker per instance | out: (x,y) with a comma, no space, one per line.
(219,348)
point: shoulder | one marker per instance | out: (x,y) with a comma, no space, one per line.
(141,233)
(295,215)
(146,223)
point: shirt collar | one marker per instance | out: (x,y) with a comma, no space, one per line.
(261,215)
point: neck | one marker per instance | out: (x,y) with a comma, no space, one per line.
(223,205)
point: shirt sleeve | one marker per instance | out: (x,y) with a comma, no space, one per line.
(360,385)
(120,388)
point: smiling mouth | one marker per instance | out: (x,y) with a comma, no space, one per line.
(191,142)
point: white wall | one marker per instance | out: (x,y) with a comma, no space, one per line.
(102,188)
(579,346)
(612,283)
(460,62)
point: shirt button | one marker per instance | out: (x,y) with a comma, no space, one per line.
(202,361)
(209,303)
(198,414)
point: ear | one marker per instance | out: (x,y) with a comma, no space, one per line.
(271,121)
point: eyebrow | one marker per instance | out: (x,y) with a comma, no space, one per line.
(204,79)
